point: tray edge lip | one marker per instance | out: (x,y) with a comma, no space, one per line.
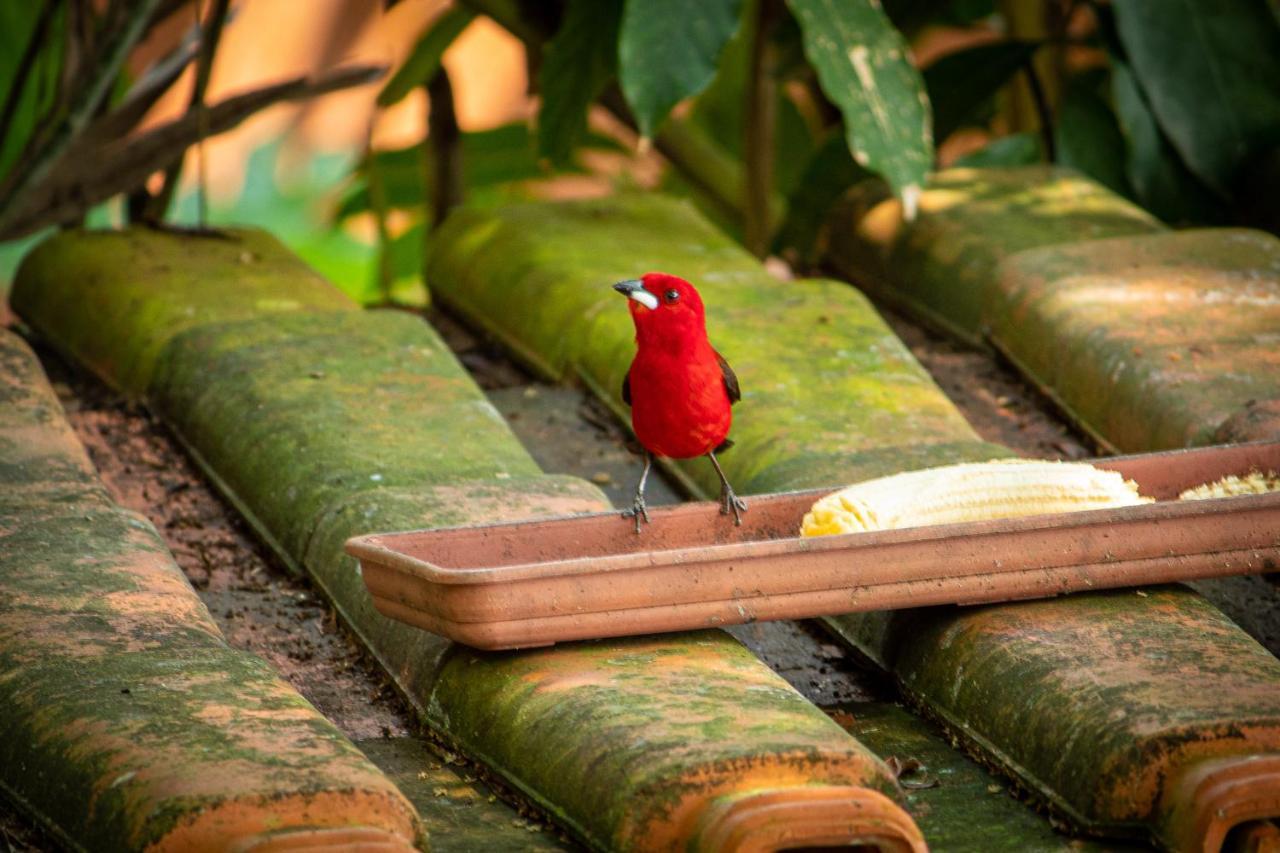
(368,548)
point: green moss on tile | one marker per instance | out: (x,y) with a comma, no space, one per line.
(124,715)
(1148,342)
(838,399)
(113,299)
(650,721)
(296,413)
(410,656)
(821,373)
(1114,698)
(40,458)
(941,266)
(458,815)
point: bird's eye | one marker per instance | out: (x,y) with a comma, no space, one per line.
(672,295)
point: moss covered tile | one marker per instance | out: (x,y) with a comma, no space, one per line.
(41,460)
(326,424)
(822,376)
(410,656)
(1148,342)
(624,741)
(113,299)
(296,413)
(1008,680)
(941,266)
(631,740)
(125,718)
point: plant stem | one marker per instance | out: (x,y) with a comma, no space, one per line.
(378,206)
(1042,108)
(445,154)
(760,137)
(158,207)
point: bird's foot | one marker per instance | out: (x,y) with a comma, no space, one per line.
(638,511)
(730,502)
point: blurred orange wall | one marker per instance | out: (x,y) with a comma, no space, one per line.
(268,40)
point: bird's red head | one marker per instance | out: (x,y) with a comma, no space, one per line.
(665,308)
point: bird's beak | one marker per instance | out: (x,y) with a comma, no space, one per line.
(633,288)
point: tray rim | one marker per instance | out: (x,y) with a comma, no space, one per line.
(371,547)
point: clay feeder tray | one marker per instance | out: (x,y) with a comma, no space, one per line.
(534,583)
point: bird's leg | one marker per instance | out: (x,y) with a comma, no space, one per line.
(638,509)
(729,501)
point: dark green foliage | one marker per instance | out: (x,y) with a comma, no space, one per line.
(1018,149)
(580,61)
(1211,73)
(1159,179)
(962,82)
(68,101)
(668,50)
(830,172)
(1086,136)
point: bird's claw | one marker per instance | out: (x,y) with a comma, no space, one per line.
(638,511)
(730,502)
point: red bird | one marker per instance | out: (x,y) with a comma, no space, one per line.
(679,388)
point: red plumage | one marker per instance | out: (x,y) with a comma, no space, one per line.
(680,389)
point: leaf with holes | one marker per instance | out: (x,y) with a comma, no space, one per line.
(668,51)
(1210,72)
(863,67)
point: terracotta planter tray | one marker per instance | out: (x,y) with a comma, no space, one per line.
(536,583)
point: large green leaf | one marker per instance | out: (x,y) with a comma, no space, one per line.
(668,50)
(577,65)
(1211,73)
(863,67)
(961,82)
(424,60)
(1159,178)
(1087,137)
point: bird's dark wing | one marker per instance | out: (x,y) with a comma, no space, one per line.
(626,388)
(730,379)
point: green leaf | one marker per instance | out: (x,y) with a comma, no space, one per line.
(1087,137)
(1210,72)
(668,51)
(1160,179)
(1018,149)
(17,23)
(961,82)
(576,66)
(863,67)
(424,60)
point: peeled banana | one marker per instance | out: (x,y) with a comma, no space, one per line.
(1004,488)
